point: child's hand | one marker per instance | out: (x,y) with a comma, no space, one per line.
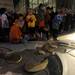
(31,20)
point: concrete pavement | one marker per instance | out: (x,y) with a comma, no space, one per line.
(23,46)
(17,69)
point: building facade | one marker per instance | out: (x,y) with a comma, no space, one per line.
(73,5)
(7,4)
(70,4)
(35,3)
(23,5)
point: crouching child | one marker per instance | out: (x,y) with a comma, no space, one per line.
(15,34)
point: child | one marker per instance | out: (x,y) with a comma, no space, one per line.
(31,20)
(21,20)
(15,35)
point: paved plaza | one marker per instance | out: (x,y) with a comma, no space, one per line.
(14,69)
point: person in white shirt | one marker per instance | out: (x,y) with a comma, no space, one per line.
(5,25)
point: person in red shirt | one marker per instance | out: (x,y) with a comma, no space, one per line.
(15,35)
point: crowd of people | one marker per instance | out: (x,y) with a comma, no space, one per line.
(35,25)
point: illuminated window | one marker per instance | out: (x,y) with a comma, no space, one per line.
(30,1)
(41,1)
(46,1)
(35,3)
(34,6)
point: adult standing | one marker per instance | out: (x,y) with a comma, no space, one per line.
(41,16)
(47,21)
(5,24)
(56,24)
(52,15)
